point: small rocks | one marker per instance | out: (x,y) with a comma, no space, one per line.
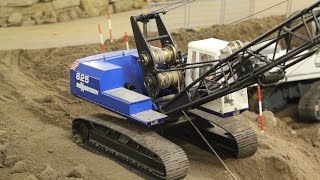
(16,176)
(3,147)
(31,12)
(123,5)
(19,167)
(15,18)
(49,98)
(307,153)
(296,126)
(264,146)
(87,6)
(316,144)
(38,16)
(287,120)
(4,25)
(17,3)
(31,177)
(3,21)
(75,13)
(305,138)
(138,4)
(278,163)
(50,17)
(63,16)
(269,119)
(293,132)
(2,132)
(62,4)
(28,22)
(48,174)
(79,171)
(10,160)
(50,151)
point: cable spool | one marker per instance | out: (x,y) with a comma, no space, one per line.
(166,55)
(235,45)
(167,79)
(232,47)
(162,80)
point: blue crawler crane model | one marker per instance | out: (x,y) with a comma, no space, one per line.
(156,92)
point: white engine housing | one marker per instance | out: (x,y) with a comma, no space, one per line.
(228,105)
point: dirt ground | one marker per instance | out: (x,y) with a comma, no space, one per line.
(36,110)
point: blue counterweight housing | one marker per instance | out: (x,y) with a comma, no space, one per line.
(114,81)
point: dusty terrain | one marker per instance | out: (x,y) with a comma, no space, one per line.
(36,110)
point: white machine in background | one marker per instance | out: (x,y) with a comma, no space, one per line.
(301,82)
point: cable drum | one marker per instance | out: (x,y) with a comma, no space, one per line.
(235,45)
(232,47)
(166,55)
(167,79)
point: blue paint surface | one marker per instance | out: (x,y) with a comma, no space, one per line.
(99,73)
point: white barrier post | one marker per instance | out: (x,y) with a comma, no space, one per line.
(126,39)
(109,23)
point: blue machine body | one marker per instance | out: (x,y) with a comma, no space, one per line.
(102,78)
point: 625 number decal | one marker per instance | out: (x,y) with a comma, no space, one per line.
(82,77)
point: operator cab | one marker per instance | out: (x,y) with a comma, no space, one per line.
(210,50)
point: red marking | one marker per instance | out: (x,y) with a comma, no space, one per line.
(99,28)
(103,48)
(262,127)
(75,65)
(259,93)
(126,37)
(108,13)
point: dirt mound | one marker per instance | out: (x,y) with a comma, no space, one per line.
(37,108)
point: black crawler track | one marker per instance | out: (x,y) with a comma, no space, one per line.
(137,146)
(242,141)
